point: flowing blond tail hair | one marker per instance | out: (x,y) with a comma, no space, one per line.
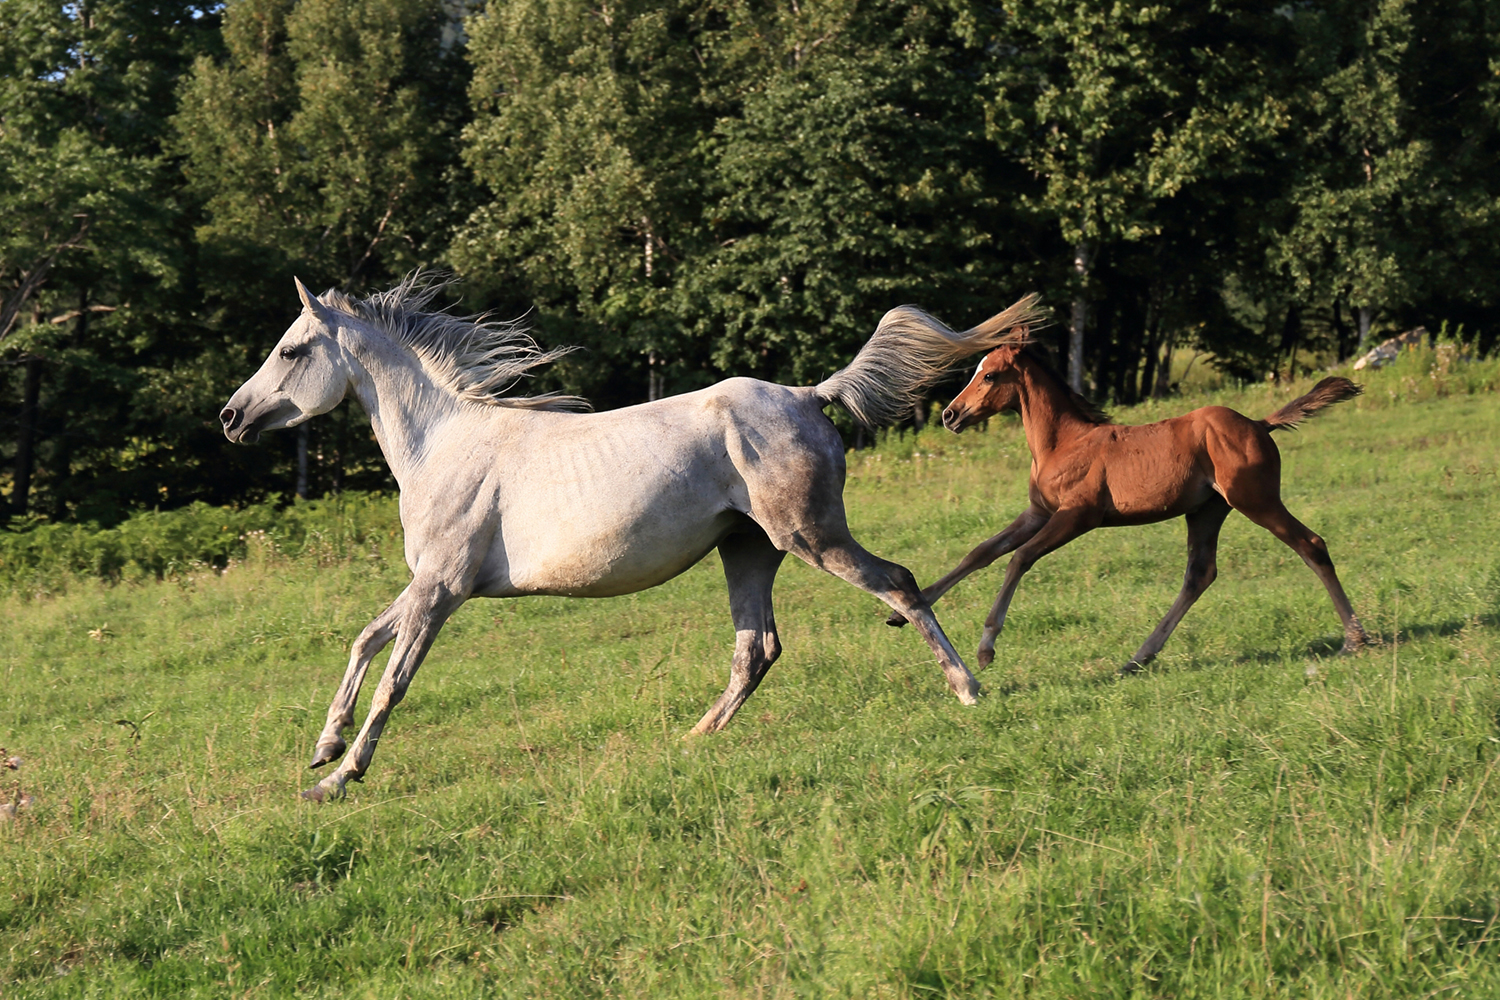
(910,352)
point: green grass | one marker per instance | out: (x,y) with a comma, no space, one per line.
(1254,817)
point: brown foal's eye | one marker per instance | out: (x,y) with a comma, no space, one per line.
(991,377)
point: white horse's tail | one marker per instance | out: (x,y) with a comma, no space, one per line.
(911,351)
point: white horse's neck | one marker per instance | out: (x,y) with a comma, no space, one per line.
(407,409)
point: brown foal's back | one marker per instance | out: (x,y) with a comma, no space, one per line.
(1089,473)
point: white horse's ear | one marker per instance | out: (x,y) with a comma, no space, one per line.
(311,303)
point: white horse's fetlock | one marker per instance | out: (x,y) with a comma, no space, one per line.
(330,788)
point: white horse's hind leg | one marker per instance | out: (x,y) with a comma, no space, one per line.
(341,712)
(750,565)
(423,612)
(893,584)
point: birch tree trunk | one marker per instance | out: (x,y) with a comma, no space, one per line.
(1080,316)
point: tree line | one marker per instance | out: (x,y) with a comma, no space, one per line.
(692,189)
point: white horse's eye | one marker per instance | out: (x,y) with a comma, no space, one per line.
(290,353)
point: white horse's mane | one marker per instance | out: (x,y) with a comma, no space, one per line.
(476,357)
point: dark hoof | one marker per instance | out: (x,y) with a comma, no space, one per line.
(984,658)
(1131,667)
(323,753)
(896,619)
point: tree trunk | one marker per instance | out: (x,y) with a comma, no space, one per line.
(1080,316)
(1129,336)
(1151,344)
(655,381)
(1340,328)
(302,462)
(1104,348)
(1291,336)
(1365,315)
(26,435)
(340,435)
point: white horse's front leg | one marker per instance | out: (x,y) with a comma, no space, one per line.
(422,614)
(341,712)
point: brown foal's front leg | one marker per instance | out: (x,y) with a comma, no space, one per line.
(1016,534)
(1062,528)
(1202,568)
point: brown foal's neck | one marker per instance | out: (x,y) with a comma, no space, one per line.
(1049,415)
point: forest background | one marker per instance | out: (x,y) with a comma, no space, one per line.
(692,189)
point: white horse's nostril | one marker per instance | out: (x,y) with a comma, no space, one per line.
(229,417)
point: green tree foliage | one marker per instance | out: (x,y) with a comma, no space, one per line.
(324,139)
(693,189)
(849,174)
(1141,124)
(323,144)
(1390,194)
(698,190)
(91,263)
(586,137)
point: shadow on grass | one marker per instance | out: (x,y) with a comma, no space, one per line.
(1326,647)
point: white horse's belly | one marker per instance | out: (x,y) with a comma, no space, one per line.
(597,563)
(589,536)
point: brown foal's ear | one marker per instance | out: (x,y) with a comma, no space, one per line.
(311,303)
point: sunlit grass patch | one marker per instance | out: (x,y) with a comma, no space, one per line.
(1254,817)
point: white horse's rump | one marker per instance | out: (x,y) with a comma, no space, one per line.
(505,496)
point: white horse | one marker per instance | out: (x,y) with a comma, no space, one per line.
(505,496)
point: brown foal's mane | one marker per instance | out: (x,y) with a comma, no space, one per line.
(1041,359)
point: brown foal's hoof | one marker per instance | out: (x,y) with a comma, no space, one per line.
(1130,668)
(896,619)
(984,658)
(323,753)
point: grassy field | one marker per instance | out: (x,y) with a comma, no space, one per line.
(1255,816)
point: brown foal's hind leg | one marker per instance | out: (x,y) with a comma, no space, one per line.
(750,565)
(1064,526)
(1275,518)
(1203,527)
(1016,534)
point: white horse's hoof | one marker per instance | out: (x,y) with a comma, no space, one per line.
(325,753)
(323,791)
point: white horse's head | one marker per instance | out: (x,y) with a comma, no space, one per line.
(306,374)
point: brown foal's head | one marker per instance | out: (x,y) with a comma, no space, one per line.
(994,388)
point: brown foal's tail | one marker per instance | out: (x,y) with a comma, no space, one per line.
(1333,389)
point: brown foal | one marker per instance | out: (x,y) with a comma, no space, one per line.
(1088,473)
